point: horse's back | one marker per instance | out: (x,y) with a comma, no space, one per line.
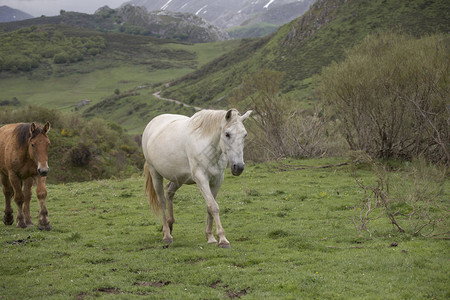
(155,129)
(163,144)
(7,144)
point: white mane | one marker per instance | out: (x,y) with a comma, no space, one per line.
(208,122)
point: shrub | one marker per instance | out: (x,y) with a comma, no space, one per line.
(61,58)
(80,155)
(391,95)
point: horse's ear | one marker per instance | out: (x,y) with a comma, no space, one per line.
(46,127)
(228,115)
(32,128)
(246,115)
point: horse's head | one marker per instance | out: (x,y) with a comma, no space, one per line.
(38,147)
(232,140)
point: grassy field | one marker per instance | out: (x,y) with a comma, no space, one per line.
(290,234)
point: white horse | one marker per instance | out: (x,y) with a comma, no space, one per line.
(192,150)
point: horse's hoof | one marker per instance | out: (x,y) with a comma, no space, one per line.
(46,227)
(8,219)
(224,245)
(21,225)
(29,223)
(168,241)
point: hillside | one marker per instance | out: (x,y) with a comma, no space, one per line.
(302,47)
(133,20)
(8,14)
(59,50)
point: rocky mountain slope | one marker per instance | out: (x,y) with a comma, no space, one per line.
(225,14)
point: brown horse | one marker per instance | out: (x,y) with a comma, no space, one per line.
(23,161)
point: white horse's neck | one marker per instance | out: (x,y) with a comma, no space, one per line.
(207,126)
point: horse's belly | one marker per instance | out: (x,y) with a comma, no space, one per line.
(175,173)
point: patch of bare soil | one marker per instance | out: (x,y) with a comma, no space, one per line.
(236,294)
(230,293)
(159,283)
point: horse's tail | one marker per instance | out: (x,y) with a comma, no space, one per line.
(150,190)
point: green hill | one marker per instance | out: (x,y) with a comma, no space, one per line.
(302,47)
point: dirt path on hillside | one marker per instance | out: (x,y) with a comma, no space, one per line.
(157,95)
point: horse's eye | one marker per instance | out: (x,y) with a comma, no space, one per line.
(32,145)
(227,134)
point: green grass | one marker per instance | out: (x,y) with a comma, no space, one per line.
(289,231)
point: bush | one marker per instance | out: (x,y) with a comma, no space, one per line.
(80,156)
(391,96)
(61,58)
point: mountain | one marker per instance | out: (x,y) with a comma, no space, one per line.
(174,25)
(133,20)
(251,14)
(8,14)
(302,47)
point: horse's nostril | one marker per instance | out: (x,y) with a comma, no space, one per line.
(237,169)
(43,172)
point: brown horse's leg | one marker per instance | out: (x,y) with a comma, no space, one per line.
(16,184)
(41,192)
(8,218)
(27,185)
(172,187)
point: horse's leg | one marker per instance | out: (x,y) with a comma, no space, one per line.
(172,187)
(8,218)
(209,228)
(213,212)
(159,189)
(41,192)
(210,218)
(16,184)
(27,185)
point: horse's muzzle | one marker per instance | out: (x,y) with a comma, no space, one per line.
(237,169)
(43,172)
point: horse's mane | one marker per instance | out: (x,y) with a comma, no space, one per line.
(22,133)
(207,122)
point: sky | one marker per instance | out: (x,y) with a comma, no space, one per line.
(49,8)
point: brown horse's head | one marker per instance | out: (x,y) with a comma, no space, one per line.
(38,147)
